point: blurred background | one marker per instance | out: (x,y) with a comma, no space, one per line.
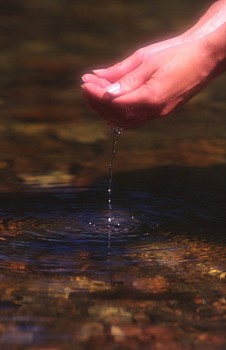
(48,134)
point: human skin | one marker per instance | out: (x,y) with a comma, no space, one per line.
(158,78)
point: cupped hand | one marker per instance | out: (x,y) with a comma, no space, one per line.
(151,83)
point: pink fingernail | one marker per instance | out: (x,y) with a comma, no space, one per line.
(96,71)
(114,88)
(84,78)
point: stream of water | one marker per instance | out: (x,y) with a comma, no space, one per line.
(116,133)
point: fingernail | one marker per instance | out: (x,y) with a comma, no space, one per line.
(84,78)
(96,71)
(114,88)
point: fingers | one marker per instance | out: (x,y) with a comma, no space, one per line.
(131,81)
(128,101)
(95,90)
(127,83)
(125,117)
(117,71)
(112,116)
(138,98)
(92,78)
(141,97)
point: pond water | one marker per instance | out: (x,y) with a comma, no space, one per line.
(152,278)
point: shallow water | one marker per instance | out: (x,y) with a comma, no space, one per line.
(155,277)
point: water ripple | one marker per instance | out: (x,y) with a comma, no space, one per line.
(68,232)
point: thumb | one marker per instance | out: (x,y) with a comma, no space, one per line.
(131,81)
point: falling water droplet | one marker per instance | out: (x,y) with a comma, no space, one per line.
(116,133)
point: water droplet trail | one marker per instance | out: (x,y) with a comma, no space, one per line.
(116,133)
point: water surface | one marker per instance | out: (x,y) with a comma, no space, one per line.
(156,278)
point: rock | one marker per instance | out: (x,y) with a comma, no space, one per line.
(90,330)
(157,284)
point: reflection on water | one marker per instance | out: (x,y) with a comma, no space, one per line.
(154,279)
(62,280)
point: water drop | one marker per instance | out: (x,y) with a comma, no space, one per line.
(116,132)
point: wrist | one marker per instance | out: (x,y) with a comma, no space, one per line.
(215,46)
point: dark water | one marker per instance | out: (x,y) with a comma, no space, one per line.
(156,278)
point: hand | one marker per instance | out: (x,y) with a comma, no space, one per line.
(151,83)
(112,74)
(158,78)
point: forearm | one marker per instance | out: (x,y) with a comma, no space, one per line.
(212,19)
(210,30)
